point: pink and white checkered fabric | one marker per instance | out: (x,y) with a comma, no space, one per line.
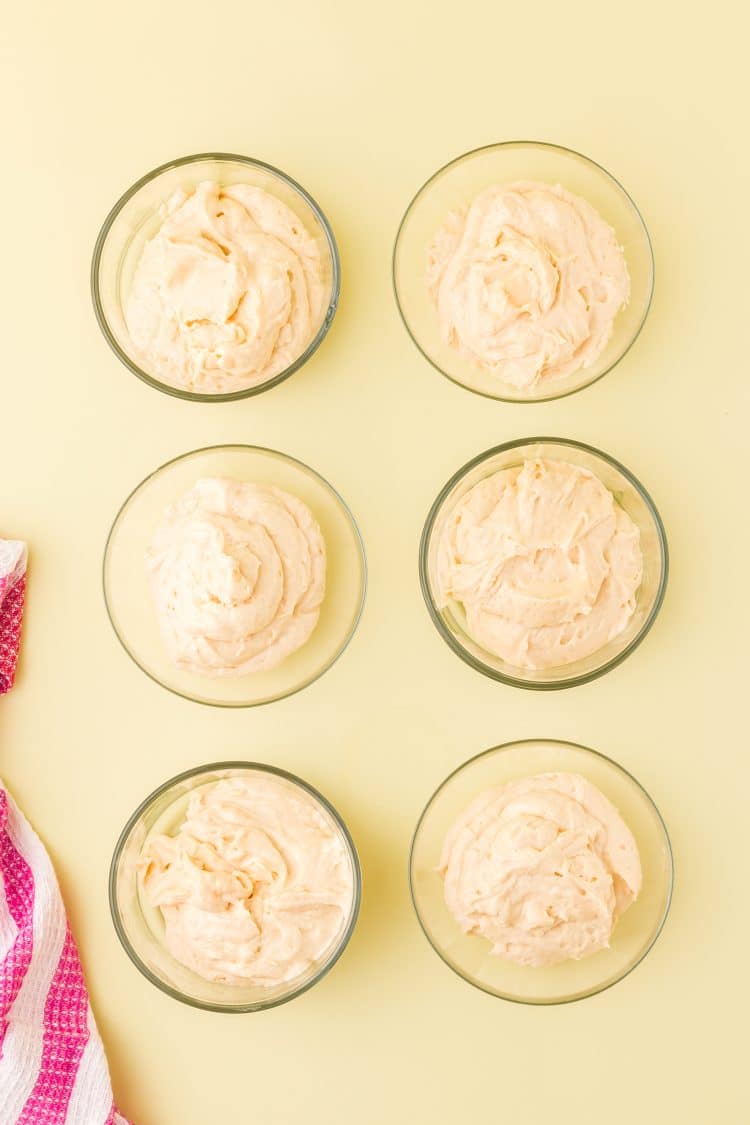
(52,1065)
(12,593)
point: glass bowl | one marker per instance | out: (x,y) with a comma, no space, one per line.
(134,219)
(469,954)
(140,927)
(454,186)
(629,494)
(128,597)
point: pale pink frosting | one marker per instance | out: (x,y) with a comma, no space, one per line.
(527,281)
(237,572)
(544,562)
(542,868)
(227,293)
(255,886)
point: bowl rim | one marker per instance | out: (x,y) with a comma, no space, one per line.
(245,392)
(343,941)
(359,541)
(552,742)
(437,618)
(524,144)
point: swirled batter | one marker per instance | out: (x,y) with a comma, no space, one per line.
(228,292)
(544,562)
(255,886)
(237,572)
(527,281)
(542,868)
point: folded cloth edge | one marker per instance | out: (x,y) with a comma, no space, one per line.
(53,1070)
(14,557)
(13,563)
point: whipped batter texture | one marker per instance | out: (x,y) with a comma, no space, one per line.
(544,562)
(542,868)
(228,292)
(237,573)
(527,281)
(255,886)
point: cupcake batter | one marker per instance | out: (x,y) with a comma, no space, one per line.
(544,562)
(255,886)
(527,281)
(228,292)
(542,868)
(237,572)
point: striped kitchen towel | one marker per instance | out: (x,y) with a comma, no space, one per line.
(52,1065)
(12,592)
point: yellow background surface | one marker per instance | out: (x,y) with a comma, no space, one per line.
(361,104)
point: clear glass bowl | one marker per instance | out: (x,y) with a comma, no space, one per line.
(457,184)
(128,597)
(140,927)
(134,219)
(469,954)
(629,494)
